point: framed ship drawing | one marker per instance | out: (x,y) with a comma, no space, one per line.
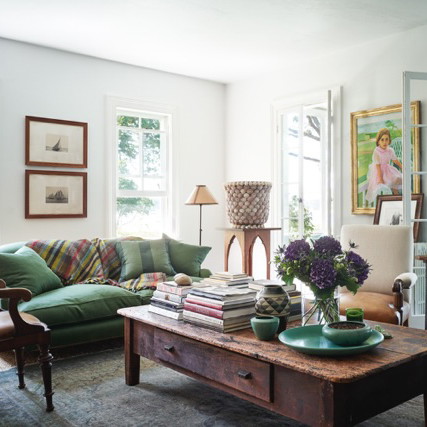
(51,194)
(51,142)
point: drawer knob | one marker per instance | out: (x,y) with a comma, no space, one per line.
(168,347)
(244,374)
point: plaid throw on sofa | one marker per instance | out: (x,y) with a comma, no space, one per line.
(73,261)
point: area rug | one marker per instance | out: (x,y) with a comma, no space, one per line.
(90,391)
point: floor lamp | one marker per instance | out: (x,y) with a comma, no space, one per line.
(201,196)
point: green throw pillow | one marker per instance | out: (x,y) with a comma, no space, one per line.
(148,256)
(26,269)
(187,258)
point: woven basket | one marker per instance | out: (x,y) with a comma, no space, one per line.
(248,203)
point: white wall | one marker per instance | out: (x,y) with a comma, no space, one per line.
(370,76)
(43,82)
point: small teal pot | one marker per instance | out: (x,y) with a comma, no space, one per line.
(265,327)
(347,337)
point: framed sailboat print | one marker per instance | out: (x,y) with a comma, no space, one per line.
(55,194)
(51,142)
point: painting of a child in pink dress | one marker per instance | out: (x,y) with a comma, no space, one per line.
(383,177)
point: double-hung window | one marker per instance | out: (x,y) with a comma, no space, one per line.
(142,180)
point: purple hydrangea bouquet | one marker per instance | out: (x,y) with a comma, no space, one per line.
(323,265)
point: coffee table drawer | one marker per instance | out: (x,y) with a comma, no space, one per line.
(225,367)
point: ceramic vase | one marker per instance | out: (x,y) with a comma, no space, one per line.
(265,328)
(273,300)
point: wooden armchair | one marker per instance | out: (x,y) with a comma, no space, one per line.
(18,330)
(385,294)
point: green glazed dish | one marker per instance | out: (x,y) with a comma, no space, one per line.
(310,340)
(347,333)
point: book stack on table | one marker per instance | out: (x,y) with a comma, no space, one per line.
(226,278)
(223,309)
(296,305)
(168,299)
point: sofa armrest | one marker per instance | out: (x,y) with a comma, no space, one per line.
(205,272)
(408,279)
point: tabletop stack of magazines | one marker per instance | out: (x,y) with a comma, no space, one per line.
(223,309)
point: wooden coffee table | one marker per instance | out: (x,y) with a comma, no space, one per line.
(318,391)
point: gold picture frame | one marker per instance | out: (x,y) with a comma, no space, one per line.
(365,126)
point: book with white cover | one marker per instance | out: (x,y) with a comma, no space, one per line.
(177,315)
(223,293)
(167,296)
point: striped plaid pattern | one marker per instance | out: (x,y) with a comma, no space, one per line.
(73,261)
(109,257)
(144,281)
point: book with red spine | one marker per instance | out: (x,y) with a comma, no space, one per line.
(219,314)
(215,304)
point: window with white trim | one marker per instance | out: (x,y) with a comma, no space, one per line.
(142,196)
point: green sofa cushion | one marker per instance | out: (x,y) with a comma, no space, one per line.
(109,257)
(186,258)
(147,256)
(79,303)
(26,269)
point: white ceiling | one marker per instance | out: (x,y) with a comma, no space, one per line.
(221,40)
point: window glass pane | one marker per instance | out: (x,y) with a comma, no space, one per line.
(150,123)
(152,154)
(154,184)
(129,160)
(140,216)
(128,121)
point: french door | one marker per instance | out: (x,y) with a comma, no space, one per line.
(305,169)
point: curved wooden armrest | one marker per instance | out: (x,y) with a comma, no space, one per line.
(408,279)
(398,294)
(15,295)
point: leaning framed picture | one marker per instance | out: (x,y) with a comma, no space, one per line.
(376,154)
(51,194)
(389,211)
(51,142)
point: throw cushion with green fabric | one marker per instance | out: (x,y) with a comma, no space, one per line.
(109,257)
(26,269)
(186,258)
(147,256)
(79,303)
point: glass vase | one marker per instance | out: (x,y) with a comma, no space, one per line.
(319,311)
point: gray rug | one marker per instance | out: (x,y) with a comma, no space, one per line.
(90,390)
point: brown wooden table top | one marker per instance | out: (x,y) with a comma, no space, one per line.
(407,344)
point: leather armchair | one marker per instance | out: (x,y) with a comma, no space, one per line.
(384,296)
(18,330)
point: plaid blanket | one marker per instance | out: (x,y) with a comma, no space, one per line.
(73,261)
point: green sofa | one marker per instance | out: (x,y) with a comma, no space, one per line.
(78,286)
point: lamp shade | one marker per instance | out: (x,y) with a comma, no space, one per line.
(201,196)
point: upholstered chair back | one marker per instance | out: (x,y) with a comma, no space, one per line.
(388,248)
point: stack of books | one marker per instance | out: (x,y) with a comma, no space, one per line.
(259,284)
(296,305)
(168,299)
(225,278)
(219,308)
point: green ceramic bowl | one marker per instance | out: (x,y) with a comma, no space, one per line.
(347,333)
